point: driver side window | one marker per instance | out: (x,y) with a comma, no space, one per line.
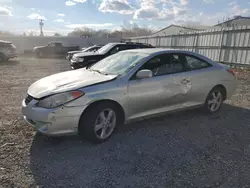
(164,64)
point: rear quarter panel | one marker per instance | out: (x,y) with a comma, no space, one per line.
(213,77)
(227,80)
(202,81)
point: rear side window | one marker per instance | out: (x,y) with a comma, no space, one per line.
(124,47)
(143,46)
(195,63)
(120,48)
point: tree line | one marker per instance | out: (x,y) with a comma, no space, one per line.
(127,30)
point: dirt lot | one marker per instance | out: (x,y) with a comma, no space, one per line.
(187,149)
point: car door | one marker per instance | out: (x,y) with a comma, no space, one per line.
(163,92)
(200,75)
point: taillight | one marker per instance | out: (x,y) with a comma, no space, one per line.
(231,71)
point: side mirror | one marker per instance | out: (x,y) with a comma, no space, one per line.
(145,73)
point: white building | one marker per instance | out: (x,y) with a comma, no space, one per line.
(236,21)
(176,29)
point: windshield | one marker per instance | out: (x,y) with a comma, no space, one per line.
(119,63)
(87,49)
(105,49)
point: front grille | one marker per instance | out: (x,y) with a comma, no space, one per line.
(28,99)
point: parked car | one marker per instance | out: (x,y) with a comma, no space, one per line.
(53,48)
(7,50)
(123,87)
(89,49)
(84,59)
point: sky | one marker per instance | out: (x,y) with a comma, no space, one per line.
(63,16)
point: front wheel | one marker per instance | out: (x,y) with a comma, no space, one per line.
(99,122)
(214,100)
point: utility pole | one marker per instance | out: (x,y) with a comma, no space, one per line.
(41,24)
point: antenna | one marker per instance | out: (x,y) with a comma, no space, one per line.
(41,24)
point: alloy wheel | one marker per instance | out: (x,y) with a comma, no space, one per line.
(214,101)
(105,123)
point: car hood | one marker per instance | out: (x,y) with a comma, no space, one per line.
(84,54)
(37,47)
(73,52)
(66,81)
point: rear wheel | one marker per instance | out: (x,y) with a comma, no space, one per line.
(99,122)
(214,100)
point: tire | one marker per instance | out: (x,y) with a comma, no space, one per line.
(214,100)
(94,128)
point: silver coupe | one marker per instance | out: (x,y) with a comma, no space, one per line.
(123,87)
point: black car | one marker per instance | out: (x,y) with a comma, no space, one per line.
(84,59)
(89,49)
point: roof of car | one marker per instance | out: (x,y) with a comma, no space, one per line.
(154,50)
(128,43)
(159,50)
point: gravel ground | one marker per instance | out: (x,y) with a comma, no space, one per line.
(186,149)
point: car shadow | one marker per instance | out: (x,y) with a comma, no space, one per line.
(10,62)
(157,152)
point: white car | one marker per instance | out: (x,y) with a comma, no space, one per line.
(123,87)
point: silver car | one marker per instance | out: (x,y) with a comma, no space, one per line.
(123,87)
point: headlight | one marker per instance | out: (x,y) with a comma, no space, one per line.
(59,99)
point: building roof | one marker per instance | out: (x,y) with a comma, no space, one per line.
(234,19)
(174,29)
(177,29)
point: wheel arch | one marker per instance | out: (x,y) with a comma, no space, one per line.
(223,89)
(95,103)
